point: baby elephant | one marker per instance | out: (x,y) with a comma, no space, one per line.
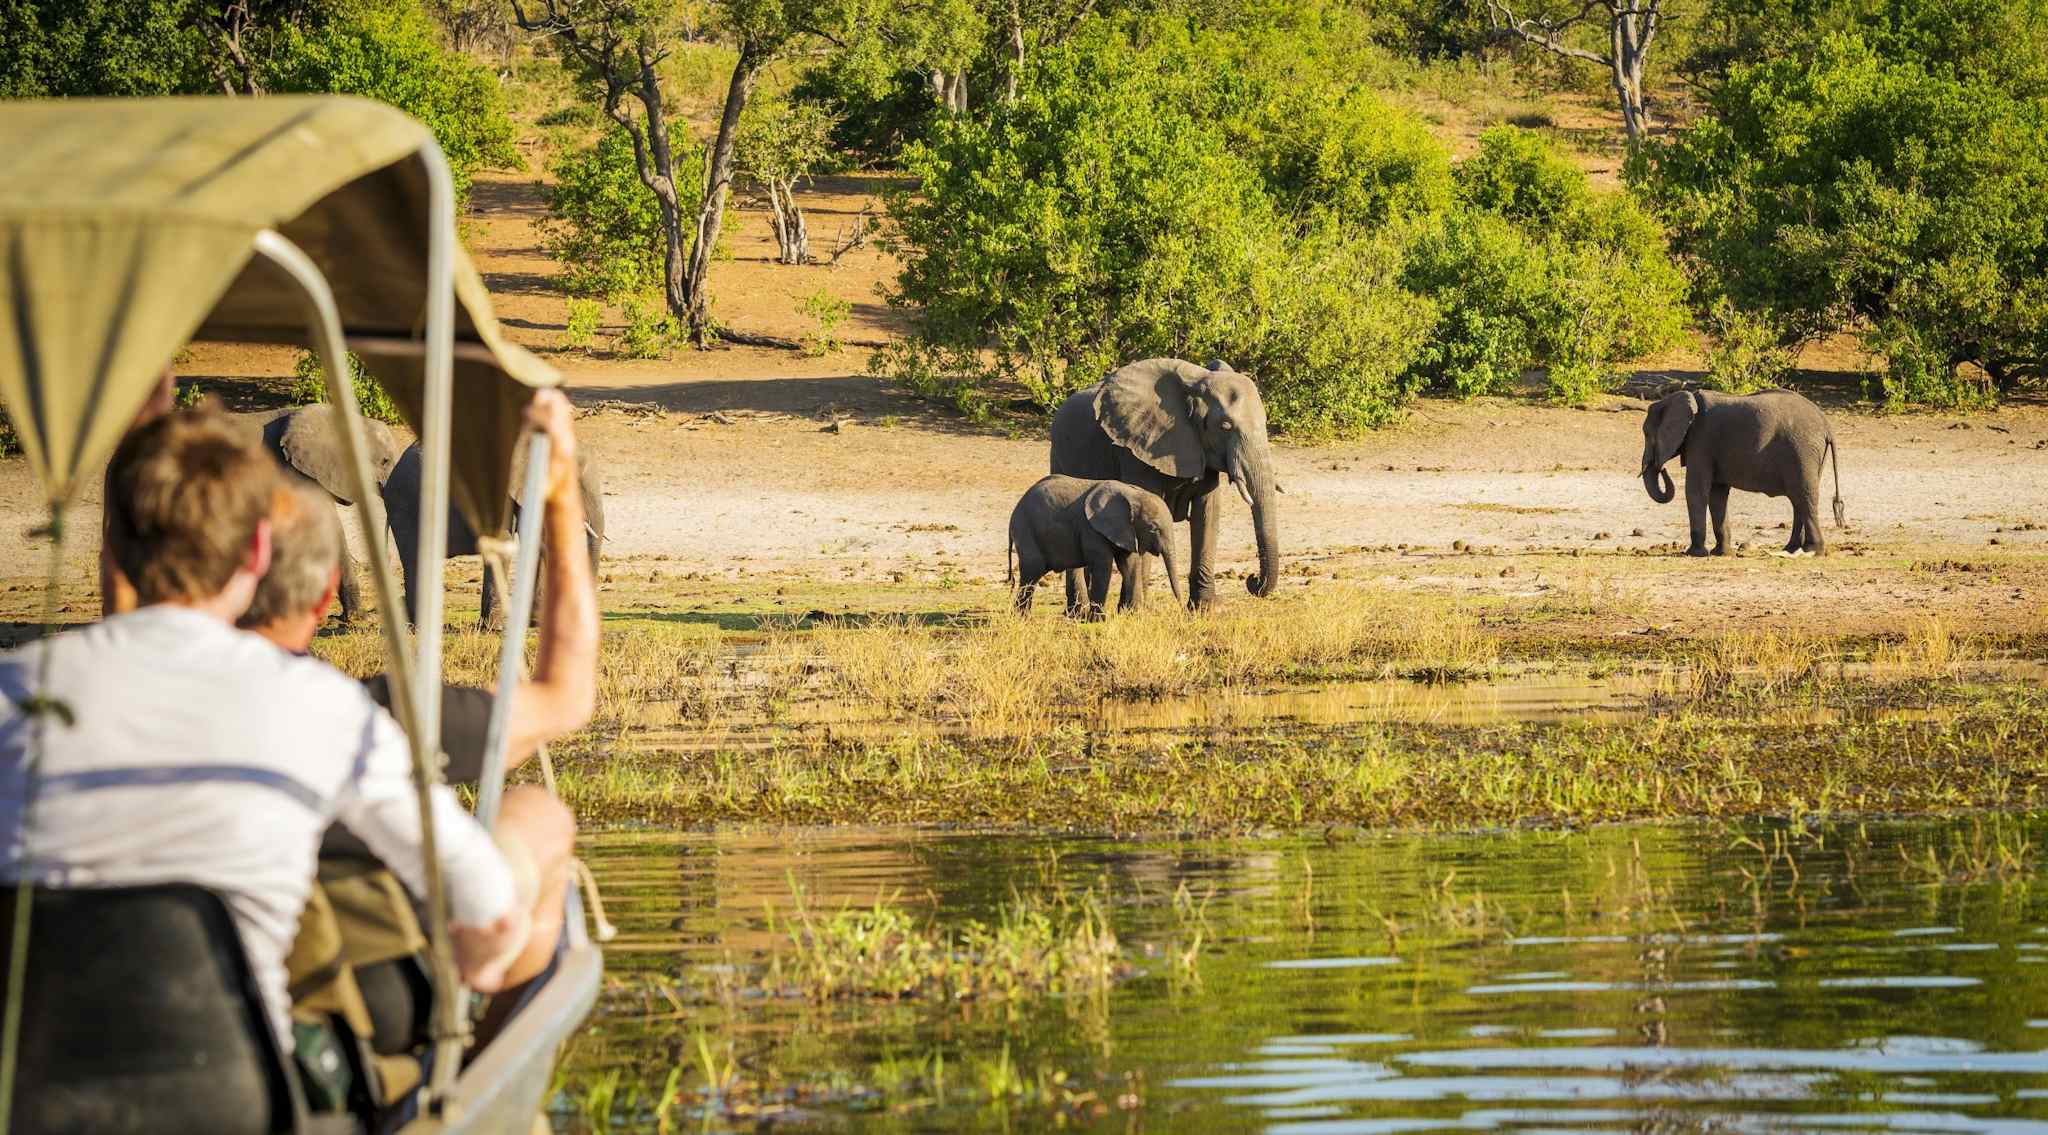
(1064,523)
(1772,442)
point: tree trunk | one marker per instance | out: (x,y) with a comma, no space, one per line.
(792,235)
(956,93)
(775,220)
(801,234)
(1016,53)
(694,311)
(1626,65)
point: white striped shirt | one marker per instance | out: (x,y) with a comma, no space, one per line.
(197,753)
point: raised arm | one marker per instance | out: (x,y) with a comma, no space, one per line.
(562,692)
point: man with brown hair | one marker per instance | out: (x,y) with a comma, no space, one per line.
(170,747)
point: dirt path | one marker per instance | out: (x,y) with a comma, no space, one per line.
(742,462)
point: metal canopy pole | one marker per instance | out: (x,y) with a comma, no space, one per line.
(323,323)
(512,650)
(450,1024)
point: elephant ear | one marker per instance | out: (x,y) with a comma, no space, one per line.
(1144,408)
(310,445)
(1679,412)
(1109,512)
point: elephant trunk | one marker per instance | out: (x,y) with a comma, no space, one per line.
(1171,555)
(1658,484)
(1251,469)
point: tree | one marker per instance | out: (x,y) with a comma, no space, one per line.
(1852,188)
(1181,197)
(381,49)
(616,47)
(1630,27)
(388,50)
(781,143)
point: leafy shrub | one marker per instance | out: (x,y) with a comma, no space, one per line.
(1749,352)
(827,312)
(1535,269)
(650,332)
(1851,188)
(390,51)
(579,327)
(874,116)
(1518,175)
(309,385)
(1189,198)
(603,224)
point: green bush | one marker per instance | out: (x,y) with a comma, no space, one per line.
(1536,270)
(390,51)
(1749,352)
(1195,197)
(650,331)
(827,313)
(603,225)
(1853,188)
(1518,175)
(580,324)
(309,385)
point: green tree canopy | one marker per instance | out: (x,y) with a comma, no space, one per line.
(1898,197)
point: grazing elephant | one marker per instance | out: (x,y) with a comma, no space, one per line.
(402,508)
(1176,429)
(307,441)
(1066,523)
(1772,442)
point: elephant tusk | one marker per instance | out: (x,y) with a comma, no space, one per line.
(1241,490)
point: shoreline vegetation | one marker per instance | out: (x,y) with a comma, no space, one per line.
(1158,722)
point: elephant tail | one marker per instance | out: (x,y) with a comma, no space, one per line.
(1834,454)
(1010,560)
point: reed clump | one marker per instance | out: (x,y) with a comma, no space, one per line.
(1035,947)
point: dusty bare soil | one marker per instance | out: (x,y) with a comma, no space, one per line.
(741,463)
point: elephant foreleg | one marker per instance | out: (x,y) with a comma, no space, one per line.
(1717,505)
(351,594)
(1128,566)
(1099,567)
(488,615)
(1205,517)
(1075,594)
(1699,483)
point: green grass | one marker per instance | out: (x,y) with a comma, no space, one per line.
(761,714)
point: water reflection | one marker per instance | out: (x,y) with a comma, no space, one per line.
(1656,978)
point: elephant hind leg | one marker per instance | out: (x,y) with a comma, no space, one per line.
(1812,540)
(1076,598)
(351,590)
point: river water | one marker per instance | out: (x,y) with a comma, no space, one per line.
(1878,976)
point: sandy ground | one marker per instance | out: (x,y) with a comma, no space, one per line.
(741,462)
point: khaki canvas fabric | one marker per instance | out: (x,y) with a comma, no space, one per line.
(127,228)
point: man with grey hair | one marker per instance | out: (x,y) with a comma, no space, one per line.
(296,595)
(378,940)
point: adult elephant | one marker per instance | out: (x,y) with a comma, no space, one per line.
(307,441)
(1177,429)
(1772,442)
(402,512)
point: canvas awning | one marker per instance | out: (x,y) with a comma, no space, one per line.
(126,231)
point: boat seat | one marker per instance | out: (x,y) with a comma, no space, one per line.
(141,1015)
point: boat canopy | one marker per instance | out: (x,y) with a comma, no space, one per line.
(129,227)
